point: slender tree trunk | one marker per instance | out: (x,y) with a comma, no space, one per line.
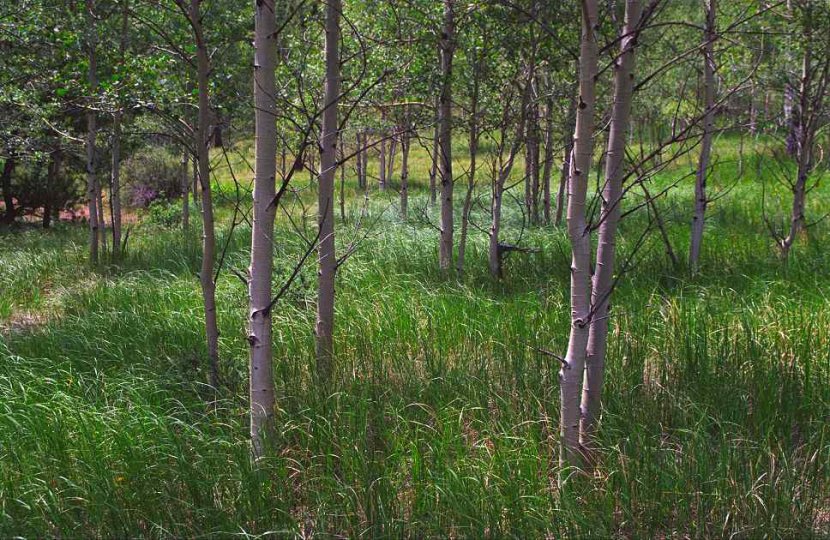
(115,179)
(261,379)
(405,142)
(494,252)
(612,194)
(102,222)
(8,197)
(445,141)
(790,120)
(365,154)
(528,202)
(436,136)
(471,175)
(327,260)
(382,161)
(91,132)
(533,153)
(195,190)
(206,278)
(185,172)
(571,374)
(115,185)
(804,128)
(661,226)
(753,109)
(701,200)
(359,161)
(393,148)
(547,170)
(55,159)
(568,145)
(342,154)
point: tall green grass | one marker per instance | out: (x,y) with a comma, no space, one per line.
(443,419)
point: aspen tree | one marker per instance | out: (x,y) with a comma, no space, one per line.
(202,172)
(612,194)
(327,261)
(445,251)
(701,200)
(91,133)
(115,178)
(261,380)
(571,374)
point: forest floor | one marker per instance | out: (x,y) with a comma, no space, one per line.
(443,418)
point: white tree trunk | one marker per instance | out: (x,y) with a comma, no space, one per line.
(433,170)
(91,132)
(471,174)
(701,200)
(568,145)
(612,194)
(393,149)
(327,261)
(261,379)
(185,172)
(405,142)
(494,254)
(571,374)
(445,139)
(115,184)
(804,129)
(382,159)
(208,233)
(547,168)
(115,179)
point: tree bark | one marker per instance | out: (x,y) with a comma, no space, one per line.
(359,153)
(327,260)
(185,172)
(55,163)
(494,253)
(571,374)
(701,199)
(115,185)
(382,160)
(341,147)
(471,174)
(612,194)
(91,131)
(261,379)
(102,222)
(8,197)
(445,250)
(115,178)
(568,145)
(804,127)
(533,156)
(433,170)
(661,226)
(547,170)
(393,148)
(405,142)
(195,190)
(208,233)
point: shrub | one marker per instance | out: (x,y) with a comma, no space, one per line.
(151,173)
(164,213)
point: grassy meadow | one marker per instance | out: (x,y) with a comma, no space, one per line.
(443,418)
